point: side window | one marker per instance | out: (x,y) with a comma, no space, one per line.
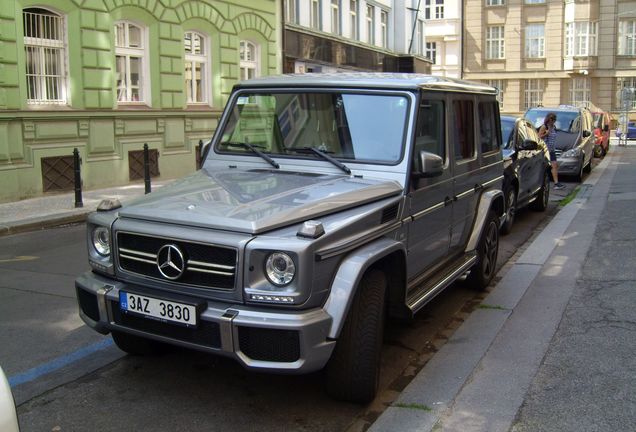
(429,133)
(463,129)
(488,138)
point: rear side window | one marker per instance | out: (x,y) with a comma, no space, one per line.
(429,135)
(488,137)
(463,129)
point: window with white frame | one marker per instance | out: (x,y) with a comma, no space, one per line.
(535,41)
(495,2)
(249,59)
(580,39)
(622,83)
(499,85)
(420,37)
(196,67)
(431,51)
(534,1)
(291,11)
(580,90)
(627,37)
(433,9)
(314,14)
(45,52)
(353,18)
(533,93)
(495,42)
(130,57)
(335,16)
(384,28)
(370,23)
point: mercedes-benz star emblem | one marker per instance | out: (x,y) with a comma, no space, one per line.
(170,262)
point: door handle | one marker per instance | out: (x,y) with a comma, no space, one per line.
(447,201)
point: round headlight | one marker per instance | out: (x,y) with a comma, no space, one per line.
(280,268)
(101,241)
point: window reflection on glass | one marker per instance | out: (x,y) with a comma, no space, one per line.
(249,59)
(195,67)
(129,64)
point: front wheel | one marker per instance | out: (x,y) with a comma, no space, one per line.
(353,372)
(487,249)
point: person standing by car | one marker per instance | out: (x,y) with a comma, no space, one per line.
(547,132)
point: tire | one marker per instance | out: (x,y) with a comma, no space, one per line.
(579,176)
(543,196)
(353,371)
(511,208)
(587,168)
(138,346)
(484,269)
(598,151)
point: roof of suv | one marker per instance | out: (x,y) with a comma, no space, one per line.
(369,80)
(560,108)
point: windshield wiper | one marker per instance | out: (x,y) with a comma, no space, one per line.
(252,148)
(323,155)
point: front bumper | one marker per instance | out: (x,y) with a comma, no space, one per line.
(569,166)
(258,338)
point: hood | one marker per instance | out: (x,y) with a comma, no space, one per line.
(255,201)
(566,140)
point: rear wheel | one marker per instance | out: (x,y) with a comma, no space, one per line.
(543,196)
(598,151)
(511,209)
(136,345)
(487,249)
(353,371)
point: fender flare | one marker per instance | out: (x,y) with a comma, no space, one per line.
(487,201)
(348,276)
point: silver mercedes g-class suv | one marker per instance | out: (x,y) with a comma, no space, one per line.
(324,204)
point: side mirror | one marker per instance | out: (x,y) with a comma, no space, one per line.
(586,133)
(205,149)
(529,144)
(429,165)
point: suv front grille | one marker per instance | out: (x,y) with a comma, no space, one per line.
(558,152)
(208,266)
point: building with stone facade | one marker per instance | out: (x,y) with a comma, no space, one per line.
(108,76)
(551,52)
(345,35)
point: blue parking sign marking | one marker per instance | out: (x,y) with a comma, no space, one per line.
(123,300)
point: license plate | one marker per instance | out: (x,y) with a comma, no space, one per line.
(162,310)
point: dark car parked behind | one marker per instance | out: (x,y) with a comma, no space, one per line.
(526,168)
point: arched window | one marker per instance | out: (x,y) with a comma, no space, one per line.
(45,49)
(130,62)
(196,67)
(249,60)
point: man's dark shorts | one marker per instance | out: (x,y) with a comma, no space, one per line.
(552,156)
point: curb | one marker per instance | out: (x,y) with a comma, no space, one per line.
(43,223)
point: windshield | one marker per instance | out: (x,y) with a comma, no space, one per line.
(347,126)
(567,121)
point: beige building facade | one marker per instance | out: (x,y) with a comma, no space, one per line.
(551,52)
